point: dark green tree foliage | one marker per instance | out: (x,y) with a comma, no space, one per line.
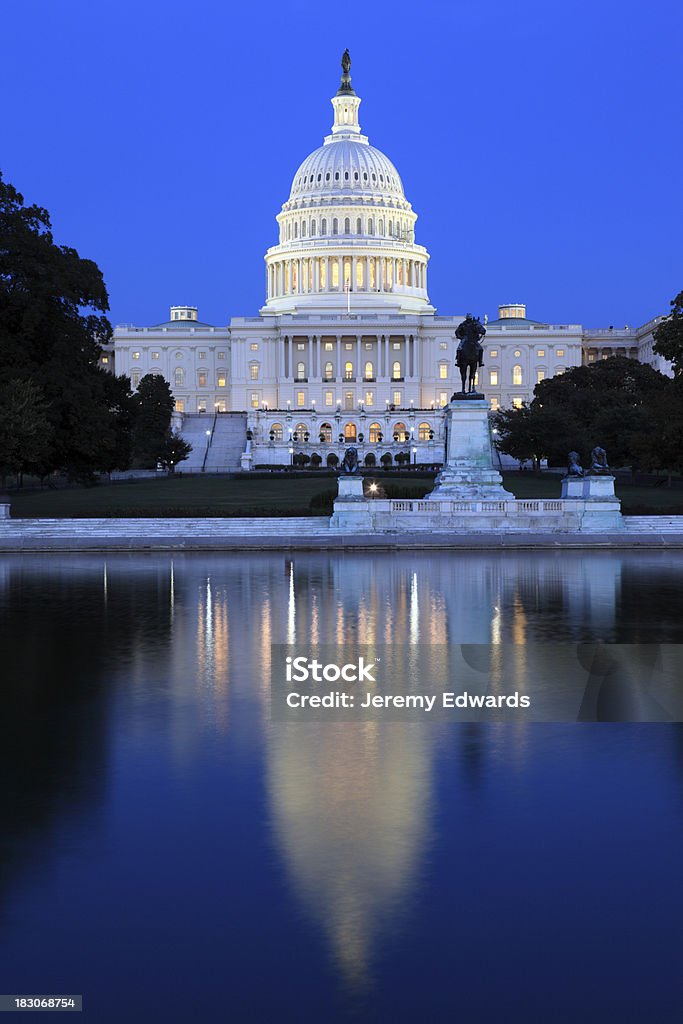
(614,403)
(668,336)
(175,449)
(52,324)
(153,404)
(25,430)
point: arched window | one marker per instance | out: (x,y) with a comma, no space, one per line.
(326,432)
(347,226)
(517,375)
(296,230)
(380,228)
(423,432)
(300,371)
(300,429)
(396,370)
(370,226)
(401,430)
(391,228)
(276,431)
(179,377)
(359,227)
(313,227)
(374,433)
(335,226)
(348,371)
(303,228)
(323,226)
(369,371)
(329,371)
(350,431)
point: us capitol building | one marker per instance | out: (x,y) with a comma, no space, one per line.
(347,347)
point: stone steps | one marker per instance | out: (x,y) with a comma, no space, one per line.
(653,524)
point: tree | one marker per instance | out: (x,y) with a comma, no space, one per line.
(153,408)
(52,326)
(668,336)
(175,449)
(611,403)
(25,430)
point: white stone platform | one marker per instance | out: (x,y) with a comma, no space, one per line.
(468,471)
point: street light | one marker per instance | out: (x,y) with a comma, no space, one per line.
(414,456)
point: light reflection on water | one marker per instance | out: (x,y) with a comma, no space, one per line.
(138,688)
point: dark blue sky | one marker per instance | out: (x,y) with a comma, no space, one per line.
(540,143)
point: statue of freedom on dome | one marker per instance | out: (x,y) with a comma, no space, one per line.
(346,61)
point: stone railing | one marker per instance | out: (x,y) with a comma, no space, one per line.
(448,507)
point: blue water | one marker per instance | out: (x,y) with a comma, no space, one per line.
(170,854)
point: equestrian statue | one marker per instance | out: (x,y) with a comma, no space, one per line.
(470,353)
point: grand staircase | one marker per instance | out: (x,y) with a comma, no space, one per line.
(217,442)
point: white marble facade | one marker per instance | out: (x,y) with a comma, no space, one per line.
(347,342)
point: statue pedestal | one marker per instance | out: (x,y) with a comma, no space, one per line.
(351,507)
(601,507)
(468,470)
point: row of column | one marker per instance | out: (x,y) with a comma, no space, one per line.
(314,274)
(381,357)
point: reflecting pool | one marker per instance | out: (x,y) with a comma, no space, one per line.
(172,855)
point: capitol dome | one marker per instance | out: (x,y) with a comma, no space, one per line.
(347,231)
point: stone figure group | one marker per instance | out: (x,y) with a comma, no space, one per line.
(599,466)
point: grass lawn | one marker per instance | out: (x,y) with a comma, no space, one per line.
(277,495)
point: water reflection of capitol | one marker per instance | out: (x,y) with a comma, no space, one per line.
(351,803)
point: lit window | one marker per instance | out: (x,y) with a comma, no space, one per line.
(369,371)
(136,355)
(348,371)
(220,379)
(253,371)
(493,377)
(254,346)
(105,360)
(397,397)
(560,353)
(423,431)
(443,345)
(201,405)
(135,378)
(517,353)
(220,406)
(179,377)
(201,379)
(401,430)
(300,399)
(180,405)
(541,353)
(495,404)
(155,355)
(348,345)
(517,375)
(202,356)
(517,403)
(443,399)
(591,357)
(396,370)
(350,431)
(300,371)
(368,345)
(276,431)
(396,345)
(254,400)
(369,397)
(494,353)
(329,371)
(443,371)
(540,375)
(221,355)
(300,346)
(561,369)
(329,347)
(329,398)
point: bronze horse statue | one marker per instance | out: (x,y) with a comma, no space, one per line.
(470,354)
